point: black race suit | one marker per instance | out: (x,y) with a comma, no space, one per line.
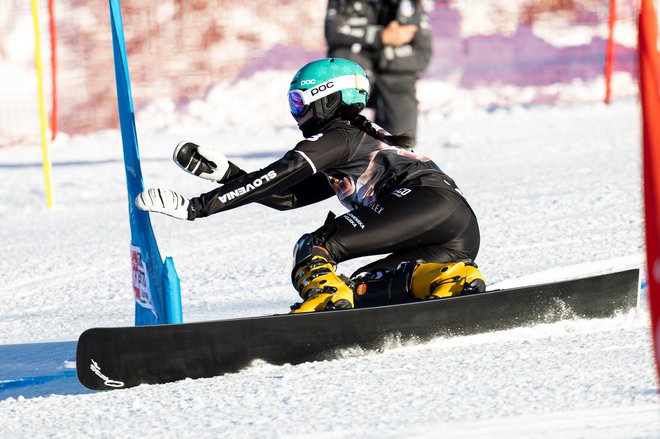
(353,31)
(400,203)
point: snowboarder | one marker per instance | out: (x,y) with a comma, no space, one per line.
(399,202)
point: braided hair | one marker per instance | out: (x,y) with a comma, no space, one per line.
(404,140)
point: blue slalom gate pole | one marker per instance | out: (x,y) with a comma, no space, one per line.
(156,284)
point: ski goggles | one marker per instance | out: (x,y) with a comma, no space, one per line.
(300,99)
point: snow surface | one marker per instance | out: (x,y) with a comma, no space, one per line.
(558,194)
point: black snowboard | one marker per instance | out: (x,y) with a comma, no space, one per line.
(110,358)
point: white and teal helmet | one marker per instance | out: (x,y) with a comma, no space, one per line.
(324,88)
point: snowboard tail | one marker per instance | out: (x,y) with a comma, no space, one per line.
(110,358)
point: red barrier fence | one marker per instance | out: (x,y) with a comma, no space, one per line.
(522,51)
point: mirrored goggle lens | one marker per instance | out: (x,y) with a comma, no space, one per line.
(296,103)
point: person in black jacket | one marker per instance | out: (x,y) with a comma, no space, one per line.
(400,203)
(391,40)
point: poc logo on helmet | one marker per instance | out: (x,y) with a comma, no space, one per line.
(308,82)
(322,87)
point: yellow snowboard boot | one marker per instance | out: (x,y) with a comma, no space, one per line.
(433,281)
(319,286)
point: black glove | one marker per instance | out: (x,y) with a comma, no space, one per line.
(201,162)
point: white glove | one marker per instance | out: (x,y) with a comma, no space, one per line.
(163,201)
(199,161)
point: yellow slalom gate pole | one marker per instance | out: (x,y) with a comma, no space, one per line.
(42,107)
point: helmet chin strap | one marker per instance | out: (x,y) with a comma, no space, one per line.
(312,126)
(303,118)
(308,123)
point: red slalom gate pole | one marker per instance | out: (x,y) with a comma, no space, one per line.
(53,63)
(649,91)
(609,56)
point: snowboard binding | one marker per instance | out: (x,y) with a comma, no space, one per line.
(412,281)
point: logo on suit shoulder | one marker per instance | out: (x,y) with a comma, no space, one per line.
(315,137)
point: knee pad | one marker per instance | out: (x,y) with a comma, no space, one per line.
(302,250)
